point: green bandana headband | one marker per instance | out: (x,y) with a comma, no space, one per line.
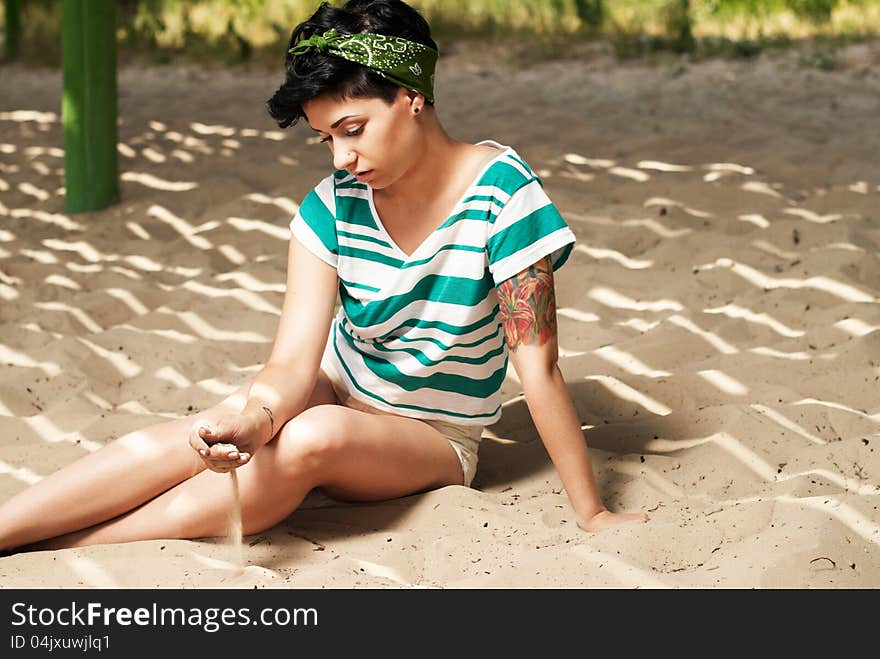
(405,63)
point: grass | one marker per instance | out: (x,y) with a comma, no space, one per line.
(231,32)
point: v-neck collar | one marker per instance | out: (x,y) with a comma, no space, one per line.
(502,149)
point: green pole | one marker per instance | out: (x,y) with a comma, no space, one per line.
(88,104)
(13,27)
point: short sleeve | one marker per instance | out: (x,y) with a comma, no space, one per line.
(314,224)
(528,228)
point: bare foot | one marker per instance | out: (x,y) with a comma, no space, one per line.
(605,519)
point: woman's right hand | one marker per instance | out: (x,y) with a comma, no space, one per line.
(225,444)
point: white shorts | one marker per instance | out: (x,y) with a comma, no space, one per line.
(465,440)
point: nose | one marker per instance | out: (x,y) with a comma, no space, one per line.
(342,159)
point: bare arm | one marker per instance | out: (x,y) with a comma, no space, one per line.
(528,316)
(284,385)
(282,388)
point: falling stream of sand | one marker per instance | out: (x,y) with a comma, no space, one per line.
(234,532)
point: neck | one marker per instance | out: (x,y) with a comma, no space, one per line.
(426,174)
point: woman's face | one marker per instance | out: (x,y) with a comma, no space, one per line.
(368,135)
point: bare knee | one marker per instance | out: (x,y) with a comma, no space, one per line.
(312,441)
(168,441)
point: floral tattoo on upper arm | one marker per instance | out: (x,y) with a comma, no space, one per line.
(528,306)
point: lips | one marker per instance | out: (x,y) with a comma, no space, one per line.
(362,176)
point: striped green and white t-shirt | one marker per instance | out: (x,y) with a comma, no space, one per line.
(421,335)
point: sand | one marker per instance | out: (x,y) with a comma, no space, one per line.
(234,531)
(718,323)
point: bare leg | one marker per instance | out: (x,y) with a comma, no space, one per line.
(352,454)
(117,478)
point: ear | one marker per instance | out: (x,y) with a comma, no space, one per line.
(416,101)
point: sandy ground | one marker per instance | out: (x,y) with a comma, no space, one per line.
(716,323)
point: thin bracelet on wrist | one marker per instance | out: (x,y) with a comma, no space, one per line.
(271,419)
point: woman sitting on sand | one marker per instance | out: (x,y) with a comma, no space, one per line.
(442,253)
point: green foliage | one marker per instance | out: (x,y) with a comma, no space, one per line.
(590,12)
(141,22)
(817,11)
(240,31)
(677,16)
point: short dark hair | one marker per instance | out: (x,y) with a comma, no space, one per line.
(312,74)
